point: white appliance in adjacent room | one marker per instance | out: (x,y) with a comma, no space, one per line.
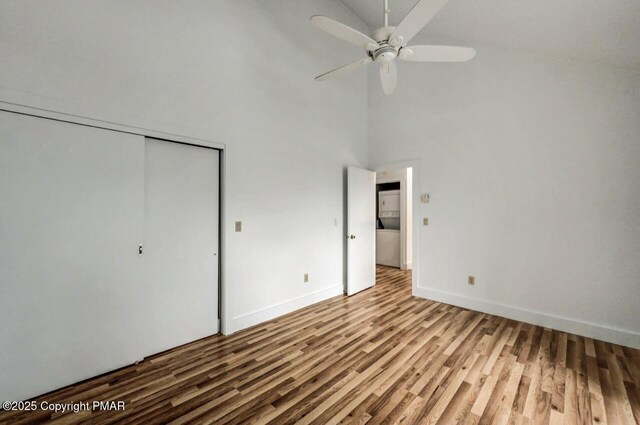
(388,238)
(389,206)
(388,247)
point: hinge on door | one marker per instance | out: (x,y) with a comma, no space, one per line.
(140,249)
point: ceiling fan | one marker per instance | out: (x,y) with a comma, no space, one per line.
(388,43)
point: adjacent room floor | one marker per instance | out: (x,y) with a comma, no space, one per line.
(378,356)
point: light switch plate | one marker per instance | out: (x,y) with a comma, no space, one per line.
(238,226)
(425,221)
(424,198)
(471,280)
(306,277)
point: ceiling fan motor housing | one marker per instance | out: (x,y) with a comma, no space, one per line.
(383,34)
(385,54)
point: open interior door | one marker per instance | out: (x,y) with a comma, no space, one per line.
(361,229)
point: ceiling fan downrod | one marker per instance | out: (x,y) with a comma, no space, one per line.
(385,20)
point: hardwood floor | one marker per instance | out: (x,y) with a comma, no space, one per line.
(380,356)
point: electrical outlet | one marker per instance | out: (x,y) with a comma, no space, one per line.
(306,277)
(425,221)
(238,226)
(471,280)
(424,198)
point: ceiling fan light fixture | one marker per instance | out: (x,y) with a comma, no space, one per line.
(371,46)
(405,53)
(397,41)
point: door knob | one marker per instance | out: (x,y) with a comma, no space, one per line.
(352,237)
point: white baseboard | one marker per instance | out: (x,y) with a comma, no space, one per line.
(591,330)
(258,316)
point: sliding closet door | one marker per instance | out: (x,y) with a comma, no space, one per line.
(71,220)
(180,244)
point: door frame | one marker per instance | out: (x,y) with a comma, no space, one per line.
(415,213)
(168,137)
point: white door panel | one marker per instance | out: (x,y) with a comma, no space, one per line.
(180,244)
(71,219)
(361,227)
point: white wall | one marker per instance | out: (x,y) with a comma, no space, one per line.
(532,163)
(533,167)
(234,72)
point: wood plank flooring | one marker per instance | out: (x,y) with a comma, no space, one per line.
(380,356)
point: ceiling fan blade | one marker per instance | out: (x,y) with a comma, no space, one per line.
(342,31)
(436,54)
(344,69)
(416,19)
(388,77)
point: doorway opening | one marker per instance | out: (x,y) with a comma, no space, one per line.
(379,205)
(394,225)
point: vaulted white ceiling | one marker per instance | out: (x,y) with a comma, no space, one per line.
(588,30)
